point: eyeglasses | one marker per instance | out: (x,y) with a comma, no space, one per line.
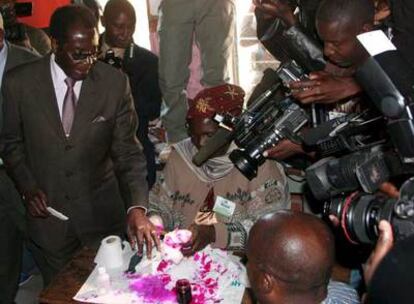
(90,57)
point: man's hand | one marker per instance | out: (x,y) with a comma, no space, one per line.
(277,9)
(324,88)
(202,235)
(284,149)
(36,203)
(141,230)
(384,245)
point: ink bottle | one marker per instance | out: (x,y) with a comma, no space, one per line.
(183,288)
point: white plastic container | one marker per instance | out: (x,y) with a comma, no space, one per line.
(103,281)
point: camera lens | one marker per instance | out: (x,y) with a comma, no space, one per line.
(244,163)
(359,215)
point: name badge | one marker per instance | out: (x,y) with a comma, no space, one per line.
(224,207)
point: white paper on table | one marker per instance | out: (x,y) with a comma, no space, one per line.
(231,285)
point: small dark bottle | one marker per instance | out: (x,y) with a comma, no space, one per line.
(183,288)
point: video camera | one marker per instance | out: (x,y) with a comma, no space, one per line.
(368,167)
(270,118)
(14,30)
(273,115)
(111,59)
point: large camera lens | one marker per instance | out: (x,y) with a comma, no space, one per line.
(359,214)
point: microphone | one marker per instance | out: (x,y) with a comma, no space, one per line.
(221,138)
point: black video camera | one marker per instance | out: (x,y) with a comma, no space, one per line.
(267,128)
(111,59)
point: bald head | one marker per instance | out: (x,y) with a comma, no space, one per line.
(296,250)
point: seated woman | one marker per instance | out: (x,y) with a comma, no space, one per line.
(216,202)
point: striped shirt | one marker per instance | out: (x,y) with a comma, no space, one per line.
(341,293)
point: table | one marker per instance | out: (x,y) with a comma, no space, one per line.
(71,278)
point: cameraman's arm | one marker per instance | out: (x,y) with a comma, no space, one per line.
(280,9)
(285,149)
(324,88)
(383,246)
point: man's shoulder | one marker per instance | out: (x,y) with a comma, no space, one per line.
(25,69)
(108,73)
(142,56)
(144,53)
(20,55)
(339,292)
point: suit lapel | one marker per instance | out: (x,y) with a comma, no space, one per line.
(87,104)
(46,96)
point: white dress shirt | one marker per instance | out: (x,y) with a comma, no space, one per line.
(58,78)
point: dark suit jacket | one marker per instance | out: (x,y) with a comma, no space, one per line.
(142,70)
(93,175)
(9,202)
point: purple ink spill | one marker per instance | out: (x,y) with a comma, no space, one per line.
(152,288)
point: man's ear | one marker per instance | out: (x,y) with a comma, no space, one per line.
(266,282)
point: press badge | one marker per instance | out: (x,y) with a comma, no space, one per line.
(224,207)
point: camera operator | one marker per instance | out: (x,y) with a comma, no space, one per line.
(118,49)
(280,31)
(23,34)
(338,23)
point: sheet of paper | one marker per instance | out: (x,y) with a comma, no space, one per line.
(57,214)
(376,42)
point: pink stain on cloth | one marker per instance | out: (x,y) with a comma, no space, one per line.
(152,288)
(214,276)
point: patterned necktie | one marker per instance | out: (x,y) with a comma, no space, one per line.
(69,106)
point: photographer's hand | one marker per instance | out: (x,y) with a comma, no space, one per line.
(277,9)
(324,88)
(383,246)
(285,149)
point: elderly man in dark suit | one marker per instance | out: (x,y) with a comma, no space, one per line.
(69,143)
(12,225)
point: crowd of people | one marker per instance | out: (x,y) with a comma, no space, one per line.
(76,109)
